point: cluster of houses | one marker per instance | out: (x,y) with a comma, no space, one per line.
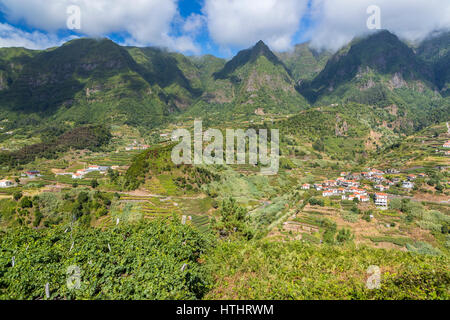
(32,174)
(348,185)
(81,173)
(346,188)
(137,146)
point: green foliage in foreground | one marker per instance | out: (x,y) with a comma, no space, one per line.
(295,270)
(155,260)
(161,260)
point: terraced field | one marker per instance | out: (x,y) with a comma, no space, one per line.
(201,222)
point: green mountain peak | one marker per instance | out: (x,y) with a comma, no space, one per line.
(260,49)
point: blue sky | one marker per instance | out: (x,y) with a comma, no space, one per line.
(219,27)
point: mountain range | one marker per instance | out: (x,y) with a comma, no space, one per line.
(91,81)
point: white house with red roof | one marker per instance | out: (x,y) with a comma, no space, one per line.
(380,187)
(328,193)
(363,198)
(381,200)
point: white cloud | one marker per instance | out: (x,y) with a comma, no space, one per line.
(148,22)
(194,23)
(240,23)
(338,21)
(13,37)
(232,24)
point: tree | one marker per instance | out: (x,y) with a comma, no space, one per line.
(26,203)
(17,195)
(83,197)
(344,235)
(330,231)
(94,183)
(233,220)
(37,217)
(113,175)
(318,145)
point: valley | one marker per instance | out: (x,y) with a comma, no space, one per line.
(87,177)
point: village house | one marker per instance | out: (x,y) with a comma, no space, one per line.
(407,185)
(97,168)
(376,172)
(381,200)
(328,193)
(32,174)
(330,183)
(412,177)
(349,183)
(77,176)
(306,186)
(6,184)
(137,146)
(392,171)
(318,187)
(380,187)
(350,197)
(363,198)
(447,144)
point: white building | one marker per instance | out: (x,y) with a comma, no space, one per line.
(329,193)
(407,185)
(381,200)
(6,184)
(362,198)
(79,174)
(306,186)
(32,174)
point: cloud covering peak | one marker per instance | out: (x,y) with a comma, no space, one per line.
(224,24)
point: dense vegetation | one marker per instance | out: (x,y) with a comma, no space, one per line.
(294,270)
(85,137)
(157,260)
(163,260)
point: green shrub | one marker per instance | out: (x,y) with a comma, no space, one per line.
(420,247)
